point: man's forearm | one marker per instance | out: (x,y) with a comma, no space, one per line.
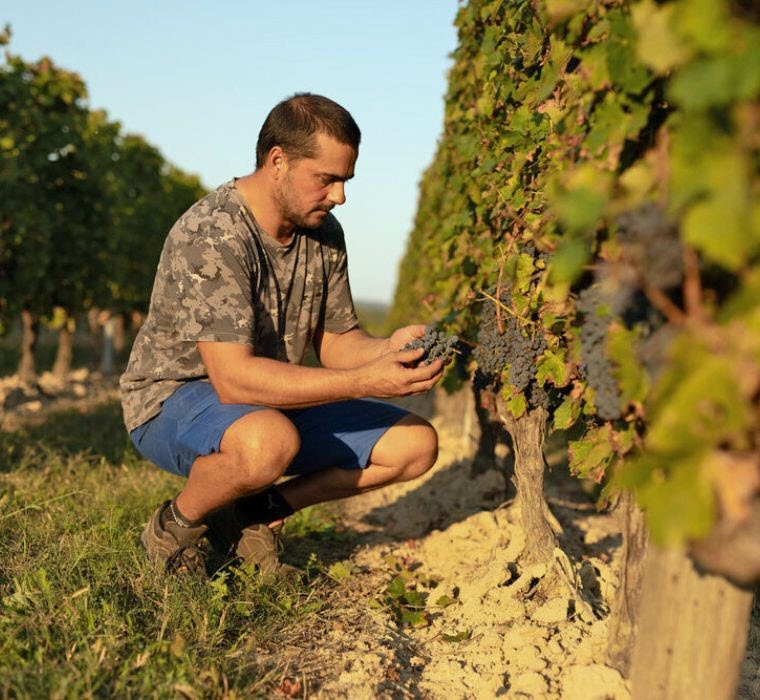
(240,377)
(265,382)
(351,350)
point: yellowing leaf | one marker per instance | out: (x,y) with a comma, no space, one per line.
(566,414)
(657,45)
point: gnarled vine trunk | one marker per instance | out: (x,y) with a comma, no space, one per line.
(528,433)
(30,327)
(692,631)
(625,607)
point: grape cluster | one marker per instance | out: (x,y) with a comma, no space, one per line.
(437,345)
(650,243)
(513,348)
(595,364)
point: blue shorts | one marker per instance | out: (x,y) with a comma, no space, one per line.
(193,420)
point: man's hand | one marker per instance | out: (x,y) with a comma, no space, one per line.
(405,335)
(394,374)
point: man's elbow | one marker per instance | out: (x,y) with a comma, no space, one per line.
(227,391)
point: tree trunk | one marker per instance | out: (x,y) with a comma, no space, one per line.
(692,631)
(30,328)
(62,364)
(528,434)
(106,358)
(625,607)
(96,333)
(119,334)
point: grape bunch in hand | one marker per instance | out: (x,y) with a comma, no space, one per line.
(437,346)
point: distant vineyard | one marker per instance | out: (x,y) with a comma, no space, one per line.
(84,207)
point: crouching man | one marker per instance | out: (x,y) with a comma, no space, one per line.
(215,389)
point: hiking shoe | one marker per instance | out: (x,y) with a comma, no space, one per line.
(256,544)
(261,545)
(176,549)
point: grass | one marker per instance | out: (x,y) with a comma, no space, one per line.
(83,614)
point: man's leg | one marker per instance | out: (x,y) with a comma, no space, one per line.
(254,452)
(406,451)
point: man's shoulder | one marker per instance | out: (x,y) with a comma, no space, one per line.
(217,215)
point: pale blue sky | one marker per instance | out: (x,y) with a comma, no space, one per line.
(198,78)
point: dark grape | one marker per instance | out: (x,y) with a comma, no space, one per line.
(595,364)
(511,348)
(650,244)
(437,345)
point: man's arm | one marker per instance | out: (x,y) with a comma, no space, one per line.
(240,377)
(356,347)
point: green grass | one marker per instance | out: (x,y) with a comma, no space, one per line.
(83,614)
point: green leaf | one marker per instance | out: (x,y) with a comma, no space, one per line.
(658,44)
(414,618)
(716,81)
(341,570)
(444,601)
(415,599)
(458,637)
(623,350)
(592,454)
(551,365)
(516,404)
(567,263)
(567,413)
(677,496)
(559,10)
(697,403)
(396,588)
(580,196)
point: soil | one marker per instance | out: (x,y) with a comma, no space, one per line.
(502,631)
(484,627)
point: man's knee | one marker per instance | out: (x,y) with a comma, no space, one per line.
(426,452)
(410,446)
(260,446)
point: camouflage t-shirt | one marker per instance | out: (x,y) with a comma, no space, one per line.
(221,278)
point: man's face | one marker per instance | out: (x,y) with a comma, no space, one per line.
(310,187)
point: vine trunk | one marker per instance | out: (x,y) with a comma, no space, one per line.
(692,631)
(528,433)
(63,356)
(625,607)
(27,372)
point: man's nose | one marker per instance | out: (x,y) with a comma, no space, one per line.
(337,194)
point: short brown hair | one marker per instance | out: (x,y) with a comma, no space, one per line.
(294,122)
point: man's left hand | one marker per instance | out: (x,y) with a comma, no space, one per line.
(405,335)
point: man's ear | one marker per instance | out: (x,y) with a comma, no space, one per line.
(277,162)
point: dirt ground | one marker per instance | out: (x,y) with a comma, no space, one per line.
(443,550)
(500,632)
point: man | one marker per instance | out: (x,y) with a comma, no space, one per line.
(215,389)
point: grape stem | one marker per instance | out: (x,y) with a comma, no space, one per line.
(502,305)
(692,285)
(663,304)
